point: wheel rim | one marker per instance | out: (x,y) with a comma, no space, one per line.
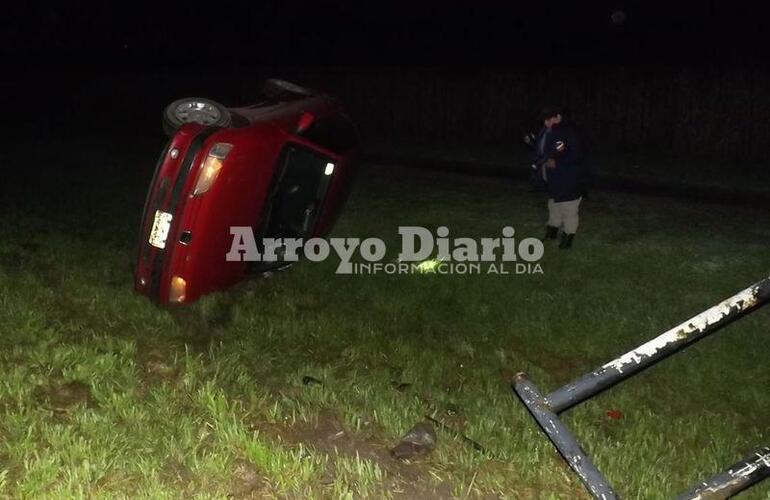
(197,112)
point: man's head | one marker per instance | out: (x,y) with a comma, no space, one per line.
(551,115)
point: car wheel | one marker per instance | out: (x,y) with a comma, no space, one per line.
(194,110)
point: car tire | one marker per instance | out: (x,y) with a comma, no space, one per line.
(277,88)
(195,110)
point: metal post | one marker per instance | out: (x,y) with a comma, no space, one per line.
(545,410)
(737,478)
(563,439)
(658,348)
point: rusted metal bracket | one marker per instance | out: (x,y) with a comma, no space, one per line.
(545,409)
(562,438)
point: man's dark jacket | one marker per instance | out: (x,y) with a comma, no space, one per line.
(567,181)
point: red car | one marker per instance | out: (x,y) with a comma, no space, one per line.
(282,167)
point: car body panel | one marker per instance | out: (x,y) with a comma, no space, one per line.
(242,195)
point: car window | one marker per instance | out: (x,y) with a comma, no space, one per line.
(298,193)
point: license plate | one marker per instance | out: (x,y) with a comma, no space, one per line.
(160,228)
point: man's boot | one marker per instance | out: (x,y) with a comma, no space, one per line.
(566,241)
(550,233)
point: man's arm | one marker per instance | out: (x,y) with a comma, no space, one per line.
(566,150)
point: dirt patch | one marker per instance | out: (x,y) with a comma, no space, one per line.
(247,482)
(62,397)
(156,362)
(328,435)
(178,474)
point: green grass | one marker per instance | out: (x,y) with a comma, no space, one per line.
(104,394)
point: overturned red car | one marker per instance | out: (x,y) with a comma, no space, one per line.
(282,167)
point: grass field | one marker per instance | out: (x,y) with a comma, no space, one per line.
(104,394)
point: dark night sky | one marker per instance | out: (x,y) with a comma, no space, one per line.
(123,35)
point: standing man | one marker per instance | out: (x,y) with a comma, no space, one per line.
(563,175)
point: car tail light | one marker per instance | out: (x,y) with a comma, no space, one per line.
(177,290)
(211,167)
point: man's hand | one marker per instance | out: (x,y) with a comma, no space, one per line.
(550,163)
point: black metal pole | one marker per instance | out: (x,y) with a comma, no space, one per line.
(563,439)
(738,477)
(661,346)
